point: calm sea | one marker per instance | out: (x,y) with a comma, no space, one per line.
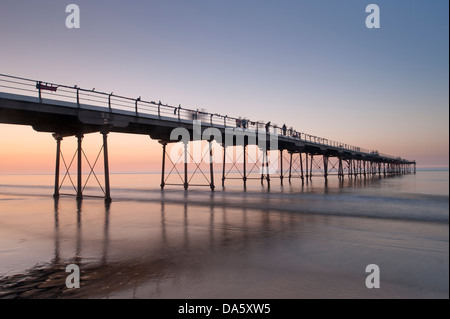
(311,240)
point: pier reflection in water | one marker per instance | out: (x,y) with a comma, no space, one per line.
(140,246)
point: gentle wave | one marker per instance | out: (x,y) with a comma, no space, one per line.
(402,206)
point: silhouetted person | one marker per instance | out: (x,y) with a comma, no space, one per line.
(267,126)
(284,129)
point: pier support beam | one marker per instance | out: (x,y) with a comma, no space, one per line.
(364,168)
(301,166)
(307,173)
(223,164)
(79,167)
(163,169)
(106,167)
(350,168)
(325,166)
(244,176)
(211,166)
(263,166)
(281,167)
(57,164)
(361,168)
(267,170)
(290,166)
(186,183)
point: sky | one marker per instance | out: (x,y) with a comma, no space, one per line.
(313,65)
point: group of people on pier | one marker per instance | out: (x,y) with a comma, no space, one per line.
(244,124)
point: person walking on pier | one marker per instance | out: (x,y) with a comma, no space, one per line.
(267,127)
(284,129)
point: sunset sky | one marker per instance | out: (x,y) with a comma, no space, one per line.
(313,65)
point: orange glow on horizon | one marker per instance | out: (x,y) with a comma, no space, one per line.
(22,150)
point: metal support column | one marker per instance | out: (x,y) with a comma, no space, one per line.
(307,173)
(211,166)
(186,184)
(263,165)
(364,168)
(267,170)
(244,175)
(223,167)
(163,169)
(58,159)
(79,169)
(290,166)
(349,172)
(301,166)
(360,162)
(325,166)
(311,166)
(281,167)
(106,167)
(361,168)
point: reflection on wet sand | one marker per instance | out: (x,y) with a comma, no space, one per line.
(101,277)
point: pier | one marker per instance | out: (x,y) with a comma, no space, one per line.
(70,111)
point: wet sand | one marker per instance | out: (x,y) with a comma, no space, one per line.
(166,248)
